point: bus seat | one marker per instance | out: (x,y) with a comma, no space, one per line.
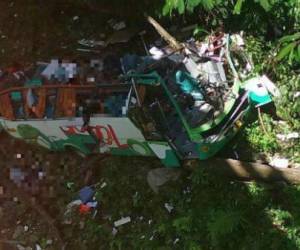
(66,102)
(6,107)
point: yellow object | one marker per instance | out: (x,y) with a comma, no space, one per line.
(204,149)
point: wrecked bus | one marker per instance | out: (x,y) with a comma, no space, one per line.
(177,107)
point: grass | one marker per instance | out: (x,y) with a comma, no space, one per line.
(209,212)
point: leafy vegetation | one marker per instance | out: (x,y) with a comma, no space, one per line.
(210,212)
(272,41)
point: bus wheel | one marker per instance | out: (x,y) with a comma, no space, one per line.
(139,147)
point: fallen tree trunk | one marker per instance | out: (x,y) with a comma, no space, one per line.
(249,170)
(164,34)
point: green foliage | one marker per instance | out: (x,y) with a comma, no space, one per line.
(211,213)
(238,7)
(259,140)
(265,4)
(222,223)
(279,217)
(288,106)
(182,224)
(199,31)
(257,192)
(290,48)
(182,5)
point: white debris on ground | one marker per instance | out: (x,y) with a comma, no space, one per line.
(91,43)
(169,207)
(289,136)
(114,231)
(75,18)
(278,162)
(156,53)
(122,221)
(115,25)
(175,241)
(297,94)
(103,185)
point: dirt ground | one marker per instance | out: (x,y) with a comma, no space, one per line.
(33,211)
(33,31)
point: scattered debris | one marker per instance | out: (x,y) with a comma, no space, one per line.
(71,205)
(116,25)
(86,194)
(114,231)
(103,185)
(122,221)
(88,50)
(119,26)
(159,176)
(169,207)
(238,40)
(175,241)
(70,184)
(187,190)
(156,53)
(92,204)
(289,136)
(91,43)
(49,242)
(279,162)
(75,18)
(84,209)
(20,247)
(297,94)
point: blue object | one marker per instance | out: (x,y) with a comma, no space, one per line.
(86,194)
(130,62)
(114,104)
(50,111)
(188,85)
